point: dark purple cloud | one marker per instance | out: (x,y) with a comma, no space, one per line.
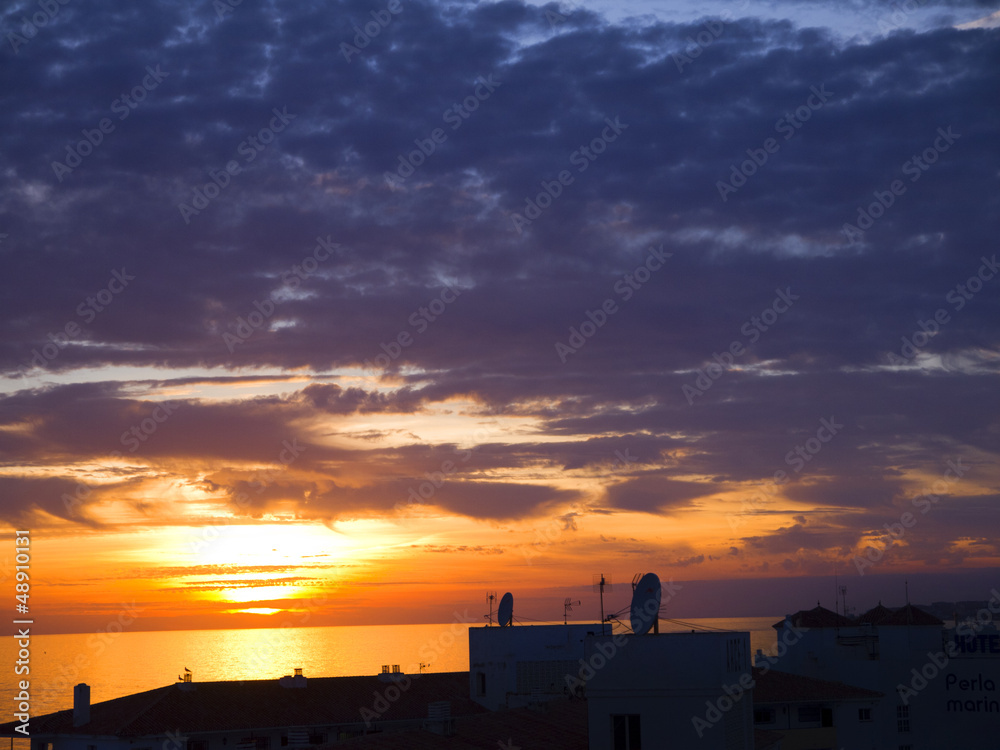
(431,285)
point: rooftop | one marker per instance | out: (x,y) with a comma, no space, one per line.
(820,617)
(771,686)
(258,704)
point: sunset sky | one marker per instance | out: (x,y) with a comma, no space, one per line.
(362,309)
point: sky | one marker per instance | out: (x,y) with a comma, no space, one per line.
(362,310)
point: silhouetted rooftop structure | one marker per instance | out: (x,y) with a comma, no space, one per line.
(771,686)
(818,617)
(231,706)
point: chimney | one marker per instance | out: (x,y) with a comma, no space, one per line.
(81,704)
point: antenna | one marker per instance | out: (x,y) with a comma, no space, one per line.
(836,586)
(646,604)
(567,608)
(490,598)
(505,612)
(600,582)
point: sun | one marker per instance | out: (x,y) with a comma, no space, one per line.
(264,563)
(266,544)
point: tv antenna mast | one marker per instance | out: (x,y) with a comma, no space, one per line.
(600,582)
(490,598)
(567,608)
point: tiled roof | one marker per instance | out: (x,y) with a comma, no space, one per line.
(876,615)
(910,615)
(771,686)
(560,725)
(818,617)
(258,704)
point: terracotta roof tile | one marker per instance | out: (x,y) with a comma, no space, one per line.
(910,615)
(818,617)
(258,704)
(771,686)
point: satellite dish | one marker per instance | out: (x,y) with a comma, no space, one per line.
(645,603)
(505,612)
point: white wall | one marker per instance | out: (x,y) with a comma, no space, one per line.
(918,665)
(547,654)
(677,683)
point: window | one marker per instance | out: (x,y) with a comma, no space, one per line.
(902,718)
(197,745)
(625,732)
(317,738)
(763,716)
(827,717)
(864,714)
(810,714)
(906,747)
(263,743)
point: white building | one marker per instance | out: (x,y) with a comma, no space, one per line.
(811,713)
(940,688)
(641,691)
(658,691)
(524,664)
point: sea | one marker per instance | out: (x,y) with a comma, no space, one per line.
(117,664)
